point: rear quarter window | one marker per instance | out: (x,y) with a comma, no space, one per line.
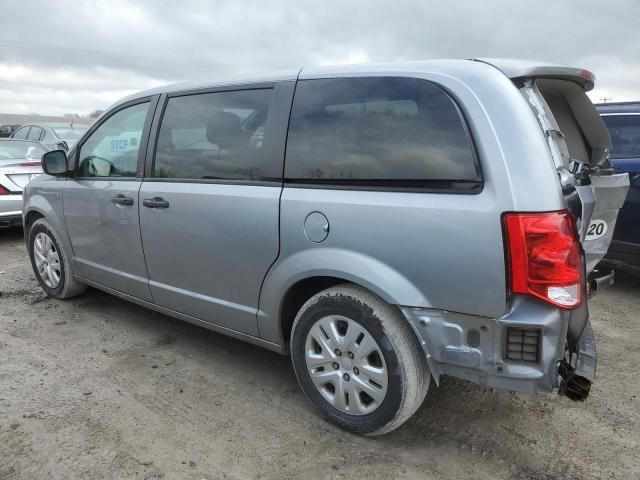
(377,131)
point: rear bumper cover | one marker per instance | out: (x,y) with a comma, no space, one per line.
(11,215)
(10,218)
(11,209)
(472,348)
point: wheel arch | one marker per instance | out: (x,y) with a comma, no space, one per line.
(294,280)
(297,295)
(29,219)
(50,208)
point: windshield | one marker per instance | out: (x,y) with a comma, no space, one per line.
(17,149)
(624,131)
(69,133)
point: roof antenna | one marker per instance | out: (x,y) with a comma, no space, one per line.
(605,99)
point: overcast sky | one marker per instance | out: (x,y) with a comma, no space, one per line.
(69,56)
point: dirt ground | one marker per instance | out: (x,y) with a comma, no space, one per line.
(96,387)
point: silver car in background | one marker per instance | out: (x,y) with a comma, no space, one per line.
(20,162)
(55,136)
(385,225)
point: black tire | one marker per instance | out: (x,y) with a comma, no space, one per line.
(407,369)
(68,286)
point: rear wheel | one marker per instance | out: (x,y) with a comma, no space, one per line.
(358,361)
(50,263)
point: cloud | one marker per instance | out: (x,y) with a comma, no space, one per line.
(70,56)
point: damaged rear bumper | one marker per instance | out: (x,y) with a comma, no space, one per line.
(521,351)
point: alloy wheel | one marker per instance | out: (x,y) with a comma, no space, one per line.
(47,260)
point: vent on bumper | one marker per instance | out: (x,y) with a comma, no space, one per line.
(523,345)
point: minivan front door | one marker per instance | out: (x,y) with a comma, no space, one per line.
(101,202)
(209,207)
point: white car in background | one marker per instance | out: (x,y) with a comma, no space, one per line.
(20,161)
(54,136)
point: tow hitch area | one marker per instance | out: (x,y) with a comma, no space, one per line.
(578,373)
(573,386)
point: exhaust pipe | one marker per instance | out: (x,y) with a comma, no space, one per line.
(599,281)
(573,386)
(576,380)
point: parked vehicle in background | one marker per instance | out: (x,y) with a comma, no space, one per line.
(54,136)
(20,161)
(430,219)
(7,130)
(623,122)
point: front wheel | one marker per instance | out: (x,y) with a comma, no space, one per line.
(358,361)
(50,263)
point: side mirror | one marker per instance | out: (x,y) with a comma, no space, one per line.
(55,163)
(63,146)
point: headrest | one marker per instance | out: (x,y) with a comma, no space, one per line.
(223,129)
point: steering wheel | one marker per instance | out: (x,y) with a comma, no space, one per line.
(88,161)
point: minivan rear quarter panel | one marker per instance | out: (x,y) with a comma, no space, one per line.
(430,250)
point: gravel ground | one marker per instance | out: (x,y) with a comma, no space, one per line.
(95,387)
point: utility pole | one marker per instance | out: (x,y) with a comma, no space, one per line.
(605,99)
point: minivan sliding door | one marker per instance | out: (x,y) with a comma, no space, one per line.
(209,204)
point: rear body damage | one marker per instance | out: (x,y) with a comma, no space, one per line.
(532,348)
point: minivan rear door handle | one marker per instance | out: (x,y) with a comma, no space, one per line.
(155,202)
(122,200)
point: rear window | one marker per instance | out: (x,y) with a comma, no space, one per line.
(378,131)
(69,133)
(34,133)
(624,131)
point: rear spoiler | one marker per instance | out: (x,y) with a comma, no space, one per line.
(515,69)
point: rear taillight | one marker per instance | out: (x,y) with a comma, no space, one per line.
(4,191)
(544,257)
(31,164)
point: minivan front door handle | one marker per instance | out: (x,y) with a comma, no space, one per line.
(155,202)
(122,200)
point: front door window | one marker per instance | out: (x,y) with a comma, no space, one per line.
(112,150)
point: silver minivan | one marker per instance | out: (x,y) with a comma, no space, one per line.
(385,225)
